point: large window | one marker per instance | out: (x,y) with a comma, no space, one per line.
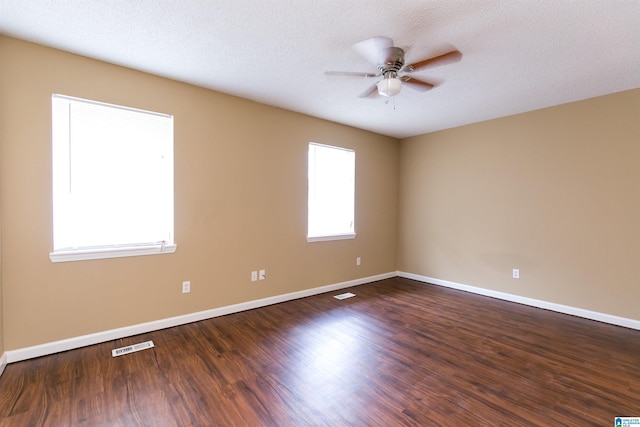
(112,180)
(331,193)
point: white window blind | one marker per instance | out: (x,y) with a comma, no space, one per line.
(331,193)
(112,180)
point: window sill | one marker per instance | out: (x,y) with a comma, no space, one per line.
(88,254)
(345,236)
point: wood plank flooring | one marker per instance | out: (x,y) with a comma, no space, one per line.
(400,353)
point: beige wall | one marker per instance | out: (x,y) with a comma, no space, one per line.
(3,64)
(240,203)
(1,309)
(554,192)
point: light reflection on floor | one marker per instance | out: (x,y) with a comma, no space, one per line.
(336,361)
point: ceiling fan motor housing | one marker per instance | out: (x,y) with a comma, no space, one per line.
(393,62)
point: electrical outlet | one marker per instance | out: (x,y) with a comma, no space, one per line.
(254,276)
(516,273)
(262,275)
(358,261)
(186,287)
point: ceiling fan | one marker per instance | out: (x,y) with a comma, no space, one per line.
(389,61)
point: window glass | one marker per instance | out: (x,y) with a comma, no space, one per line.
(112,177)
(331,193)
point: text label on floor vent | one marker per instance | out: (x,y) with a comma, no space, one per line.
(131,348)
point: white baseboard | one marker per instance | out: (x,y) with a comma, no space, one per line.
(3,362)
(12,356)
(587,314)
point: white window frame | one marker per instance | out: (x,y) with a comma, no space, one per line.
(347,189)
(62,184)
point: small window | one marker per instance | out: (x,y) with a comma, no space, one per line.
(112,181)
(331,193)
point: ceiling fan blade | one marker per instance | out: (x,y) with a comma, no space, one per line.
(375,49)
(349,74)
(415,84)
(370,91)
(444,59)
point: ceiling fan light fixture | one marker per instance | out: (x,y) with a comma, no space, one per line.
(389,86)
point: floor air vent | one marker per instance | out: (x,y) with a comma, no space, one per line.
(131,348)
(345,295)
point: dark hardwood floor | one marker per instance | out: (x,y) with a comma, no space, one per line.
(399,353)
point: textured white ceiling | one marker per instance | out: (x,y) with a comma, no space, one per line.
(519,55)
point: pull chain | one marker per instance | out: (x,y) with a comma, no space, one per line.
(393,98)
